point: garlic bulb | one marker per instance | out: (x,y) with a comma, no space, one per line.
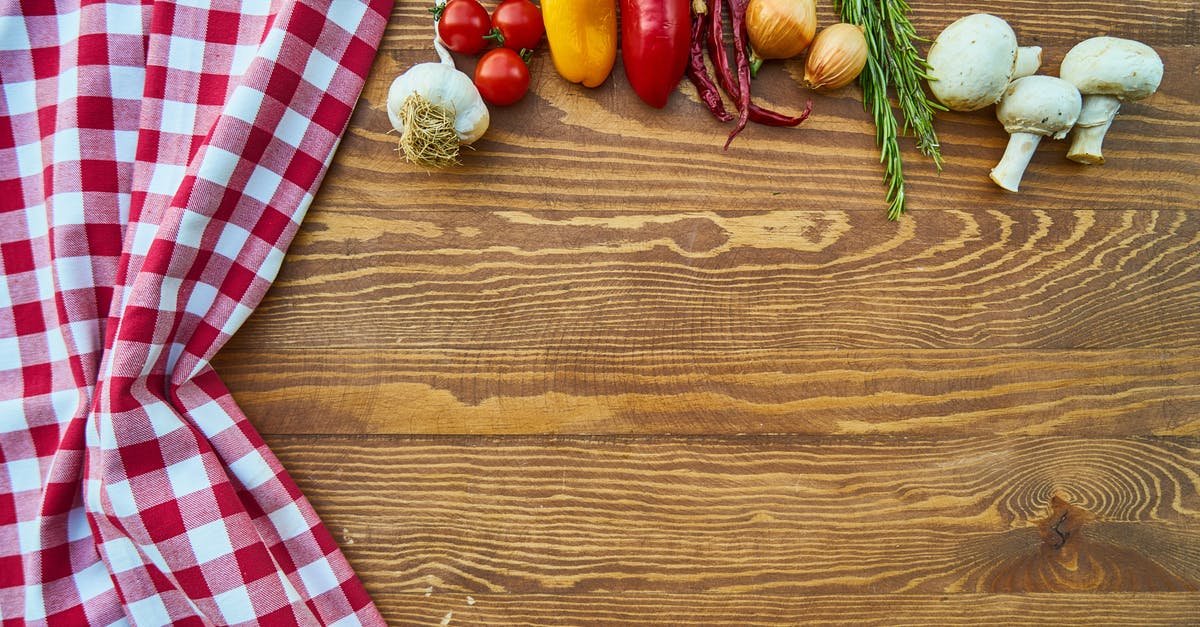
(836,58)
(437,109)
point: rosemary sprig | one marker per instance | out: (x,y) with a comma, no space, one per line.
(893,61)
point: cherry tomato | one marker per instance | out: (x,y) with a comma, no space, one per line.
(463,24)
(517,25)
(501,76)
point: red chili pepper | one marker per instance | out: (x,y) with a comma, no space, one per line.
(720,59)
(737,19)
(698,73)
(655,38)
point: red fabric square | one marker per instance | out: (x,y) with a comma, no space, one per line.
(139,459)
(164,521)
(38,379)
(17,257)
(93,49)
(11,575)
(332,114)
(222,27)
(27,317)
(98,175)
(254,562)
(56,562)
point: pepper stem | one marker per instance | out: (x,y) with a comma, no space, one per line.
(755,63)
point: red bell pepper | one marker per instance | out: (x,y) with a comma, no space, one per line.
(655,39)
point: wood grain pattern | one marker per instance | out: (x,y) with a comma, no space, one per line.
(775,515)
(762,610)
(605,373)
(560,389)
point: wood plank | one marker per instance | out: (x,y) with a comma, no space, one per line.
(758,515)
(711,281)
(750,610)
(548,388)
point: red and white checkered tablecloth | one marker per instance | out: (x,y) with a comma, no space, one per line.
(156,159)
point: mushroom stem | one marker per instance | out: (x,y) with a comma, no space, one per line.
(1008,172)
(1094,119)
(1029,59)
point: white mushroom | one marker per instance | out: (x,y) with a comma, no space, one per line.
(1033,107)
(1107,71)
(973,60)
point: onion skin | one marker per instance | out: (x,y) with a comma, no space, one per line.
(836,58)
(780,29)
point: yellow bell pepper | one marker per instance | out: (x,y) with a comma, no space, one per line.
(583,38)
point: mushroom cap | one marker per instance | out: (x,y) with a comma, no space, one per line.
(1111,66)
(972,61)
(1041,105)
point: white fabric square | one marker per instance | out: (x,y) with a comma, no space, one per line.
(24,474)
(10,354)
(191,228)
(211,419)
(244,103)
(148,612)
(74,273)
(127,82)
(318,577)
(77,524)
(235,606)
(68,27)
(165,179)
(262,184)
(65,145)
(29,159)
(56,348)
(218,165)
(288,521)
(13,35)
(251,470)
(186,54)
(162,420)
(143,237)
(122,555)
(243,56)
(178,117)
(120,494)
(67,208)
(188,476)
(93,581)
(292,127)
(239,316)
(45,282)
(320,70)
(21,97)
(123,19)
(65,402)
(210,541)
(347,14)
(168,296)
(38,223)
(28,535)
(68,85)
(201,300)
(35,605)
(233,237)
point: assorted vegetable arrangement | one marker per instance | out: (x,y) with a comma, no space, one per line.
(975,62)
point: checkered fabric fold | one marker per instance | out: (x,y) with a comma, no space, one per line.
(156,159)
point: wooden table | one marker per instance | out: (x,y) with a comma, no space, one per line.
(606,373)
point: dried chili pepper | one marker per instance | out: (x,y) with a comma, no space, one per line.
(696,70)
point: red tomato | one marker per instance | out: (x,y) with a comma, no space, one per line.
(463,24)
(519,24)
(501,76)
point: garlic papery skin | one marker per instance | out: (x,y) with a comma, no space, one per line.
(436,108)
(836,58)
(442,86)
(779,29)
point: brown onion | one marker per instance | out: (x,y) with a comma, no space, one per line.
(779,29)
(837,57)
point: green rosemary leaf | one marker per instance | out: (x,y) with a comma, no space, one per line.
(894,63)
